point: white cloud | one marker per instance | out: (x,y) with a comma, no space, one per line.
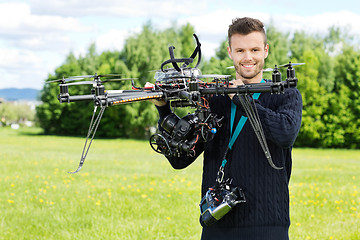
(17,19)
(215,23)
(36,35)
(21,68)
(123,8)
(30,43)
(14,59)
(319,23)
(113,39)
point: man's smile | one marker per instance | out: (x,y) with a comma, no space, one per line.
(248,66)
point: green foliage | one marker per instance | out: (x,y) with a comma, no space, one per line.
(278,47)
(347,77)
(329,83)
(329,116)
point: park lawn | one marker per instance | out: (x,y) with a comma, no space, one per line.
(127,191)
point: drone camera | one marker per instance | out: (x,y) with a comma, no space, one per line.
(218,201)
(179,128)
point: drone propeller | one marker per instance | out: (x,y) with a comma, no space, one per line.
(97,76)
(82,83)
(280,66)
(213,76)
(96,82)
(64,80)
(118,80)
(291,64)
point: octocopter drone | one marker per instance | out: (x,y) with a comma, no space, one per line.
(181,86)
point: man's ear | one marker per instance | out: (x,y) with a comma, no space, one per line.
(266,51)
(229,52)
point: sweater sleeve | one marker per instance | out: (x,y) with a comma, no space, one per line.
(280,116)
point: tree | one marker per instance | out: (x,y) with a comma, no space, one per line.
(347,81)
(314,99)
(278,47)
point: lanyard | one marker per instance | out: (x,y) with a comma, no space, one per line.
(239,126)
(241,122)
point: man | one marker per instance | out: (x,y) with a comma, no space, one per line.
(265,215)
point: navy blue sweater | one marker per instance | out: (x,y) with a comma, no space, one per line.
(265,215)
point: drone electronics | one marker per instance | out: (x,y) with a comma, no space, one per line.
(182,86)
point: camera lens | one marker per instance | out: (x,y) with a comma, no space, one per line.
(206,219)
(169,122)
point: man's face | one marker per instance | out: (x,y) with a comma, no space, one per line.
(248,53)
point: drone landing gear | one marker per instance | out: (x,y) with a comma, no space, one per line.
(92,130)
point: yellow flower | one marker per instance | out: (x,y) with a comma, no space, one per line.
(10,201)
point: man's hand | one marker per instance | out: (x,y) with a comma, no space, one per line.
(158,103)
(235,84)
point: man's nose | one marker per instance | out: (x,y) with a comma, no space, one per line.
(248,55)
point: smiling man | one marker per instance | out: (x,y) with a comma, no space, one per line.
(248,49)
(265,214)
(248,52)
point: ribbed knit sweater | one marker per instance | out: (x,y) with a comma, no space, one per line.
(265,215)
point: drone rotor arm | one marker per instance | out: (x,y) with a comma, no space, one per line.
(133,96)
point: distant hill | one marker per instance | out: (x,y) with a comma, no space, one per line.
(15,94)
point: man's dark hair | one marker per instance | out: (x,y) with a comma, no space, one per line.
(245,26)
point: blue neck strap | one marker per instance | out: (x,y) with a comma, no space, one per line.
(239,126)
(241,122)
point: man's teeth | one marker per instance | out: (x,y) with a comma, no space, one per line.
(248,66)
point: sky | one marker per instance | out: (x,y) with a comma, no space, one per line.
(37,35)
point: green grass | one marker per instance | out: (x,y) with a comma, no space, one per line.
(127,191)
